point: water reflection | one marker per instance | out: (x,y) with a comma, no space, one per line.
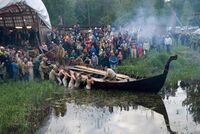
(105,112)
(183,108)
(193,102)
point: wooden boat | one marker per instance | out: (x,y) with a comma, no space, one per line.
(124,82)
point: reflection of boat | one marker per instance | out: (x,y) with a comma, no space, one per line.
(153,102)
(125,100)
(160,108)
(124,82)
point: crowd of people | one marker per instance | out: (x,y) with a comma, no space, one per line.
(97,47)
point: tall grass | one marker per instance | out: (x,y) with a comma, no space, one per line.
(18,100)
(186,67)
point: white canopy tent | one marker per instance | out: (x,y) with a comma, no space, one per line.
(36,6)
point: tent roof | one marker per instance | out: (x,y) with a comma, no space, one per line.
(16,12)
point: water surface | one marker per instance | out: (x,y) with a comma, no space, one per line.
(108,112)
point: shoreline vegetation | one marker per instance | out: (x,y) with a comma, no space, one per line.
(185,68)
(24,105)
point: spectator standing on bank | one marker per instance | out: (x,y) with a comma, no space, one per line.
(94,60)
(168,43)
(113,60)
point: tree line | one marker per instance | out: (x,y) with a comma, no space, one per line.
(103,12)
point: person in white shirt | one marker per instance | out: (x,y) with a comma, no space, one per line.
(146,46)
(110,74)
(168,43)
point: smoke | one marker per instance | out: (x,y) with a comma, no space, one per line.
(146,23)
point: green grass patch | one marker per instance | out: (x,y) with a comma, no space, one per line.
(18,100)
(186,67)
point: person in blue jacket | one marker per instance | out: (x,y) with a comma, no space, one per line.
(113,60)
(15,70)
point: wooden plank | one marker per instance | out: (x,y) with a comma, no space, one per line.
(87,71)
(101,71)
(84,77)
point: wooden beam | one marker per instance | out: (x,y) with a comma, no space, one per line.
(15,14)
(20,11)
(13,20)
(4,23)
(31,14)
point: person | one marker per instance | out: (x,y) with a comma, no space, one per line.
(36,65)
(15,69)
(60,74)
(53,74)
(42,68)
(78,80)
(104,60)
(113,60)
(72,80)
(87,61)
(94,60)
(168,43)
(30,69)
(110,74)
(146,46)
(92,50)
(66,74)
(89,82)
(2,70)
(120,57)
(140,50)
(25,69)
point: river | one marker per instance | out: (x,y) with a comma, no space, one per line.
(108,112)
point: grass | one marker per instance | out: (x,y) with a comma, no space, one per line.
(20,103)
(185,68)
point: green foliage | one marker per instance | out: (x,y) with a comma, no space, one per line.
(18,100)
(95,12)
(185,68)
(105,20)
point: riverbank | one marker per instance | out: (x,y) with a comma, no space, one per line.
(23,105)
(185,68)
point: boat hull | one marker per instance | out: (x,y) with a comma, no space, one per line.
(151,84)
(123,82)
